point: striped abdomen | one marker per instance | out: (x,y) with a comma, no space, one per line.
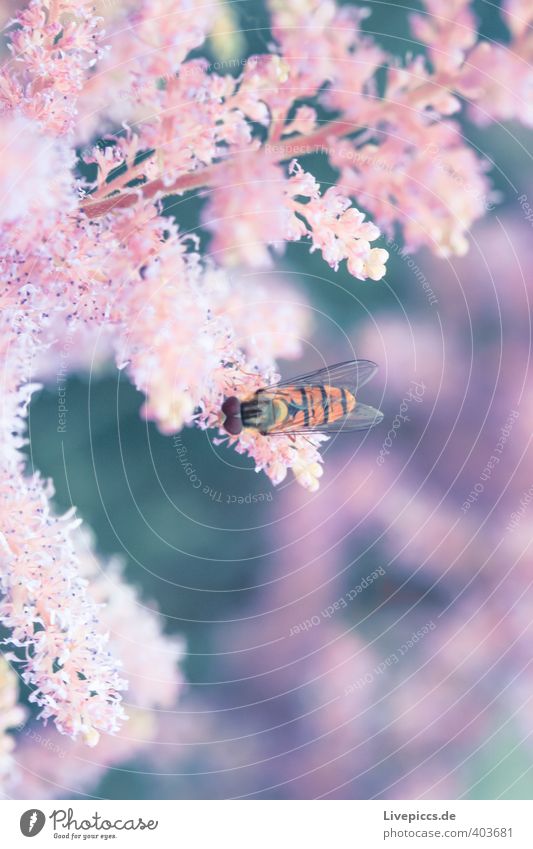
(297,408)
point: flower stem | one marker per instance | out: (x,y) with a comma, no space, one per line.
(286,149)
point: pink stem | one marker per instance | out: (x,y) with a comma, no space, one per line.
(206,177)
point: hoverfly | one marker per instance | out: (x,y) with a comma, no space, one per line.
(323,401)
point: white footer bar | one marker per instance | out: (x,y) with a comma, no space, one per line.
(268,824)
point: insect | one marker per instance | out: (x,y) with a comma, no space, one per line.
(323,401)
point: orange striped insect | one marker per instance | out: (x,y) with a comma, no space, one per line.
(323,401)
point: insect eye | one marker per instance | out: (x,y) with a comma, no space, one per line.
(233,425)
(231,407)
(232,411)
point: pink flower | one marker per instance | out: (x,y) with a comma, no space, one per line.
(449,29)
(436,192)
(336,228)
(517,15)
(37,170)
(149,659)
(50,765)
(304,121)
(54,628)
(11,715)
(50,58)
(246,212)
(332,224)
(299,454)
(499,82)
(334,47)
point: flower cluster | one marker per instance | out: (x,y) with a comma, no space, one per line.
(400,154)
(53,46)
(11,715)
(53,624)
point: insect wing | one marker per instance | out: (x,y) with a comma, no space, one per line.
(351,374)
(362,417)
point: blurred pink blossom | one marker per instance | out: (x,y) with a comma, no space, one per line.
(11,716)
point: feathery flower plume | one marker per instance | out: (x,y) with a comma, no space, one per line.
(11,716)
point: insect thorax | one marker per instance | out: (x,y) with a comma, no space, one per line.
(262,412)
